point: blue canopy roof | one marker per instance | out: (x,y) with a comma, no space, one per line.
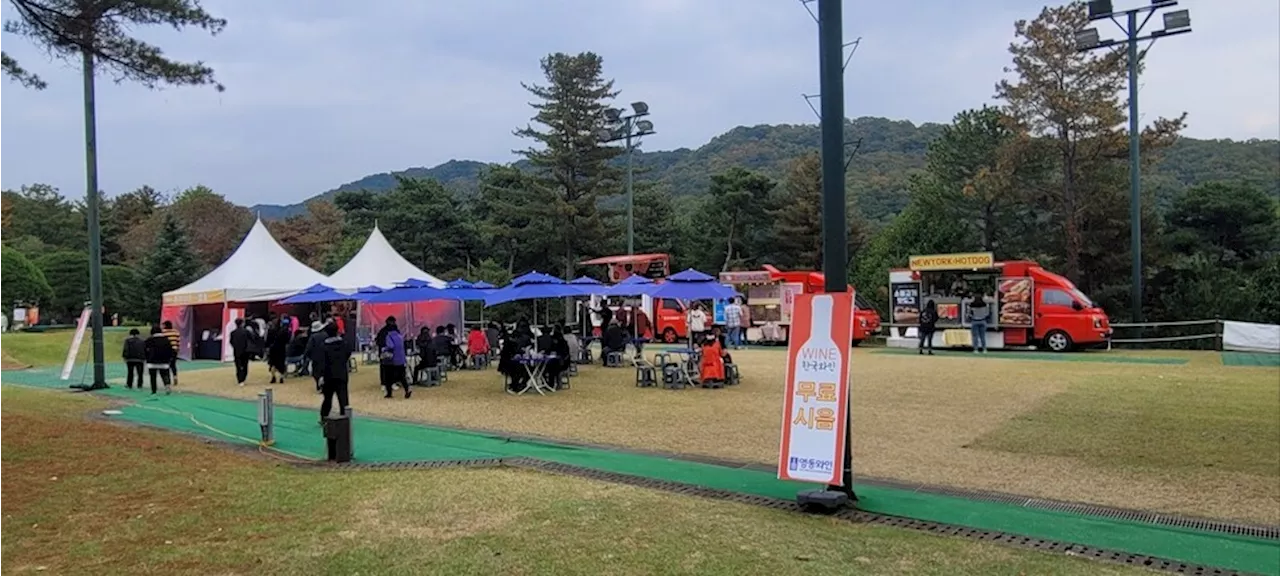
(588,286)
(532,286)
(691,285)
(409,294)
(631,286)
(316,293)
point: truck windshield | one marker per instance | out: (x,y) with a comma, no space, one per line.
(1082,298)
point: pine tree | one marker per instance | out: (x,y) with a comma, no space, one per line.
(170,265)
(572,166)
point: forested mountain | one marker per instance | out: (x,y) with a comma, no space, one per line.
(885,154)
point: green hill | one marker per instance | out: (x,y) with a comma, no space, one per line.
(887,152)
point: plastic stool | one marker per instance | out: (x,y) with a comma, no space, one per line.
(646,376)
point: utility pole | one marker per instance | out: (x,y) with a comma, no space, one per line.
(1178,22)
(95,234)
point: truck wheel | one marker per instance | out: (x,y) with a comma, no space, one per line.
(856,343)
(1058,341)
(669,336)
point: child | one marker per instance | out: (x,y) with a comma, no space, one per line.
(712,368)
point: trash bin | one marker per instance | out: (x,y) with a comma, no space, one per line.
(337,435)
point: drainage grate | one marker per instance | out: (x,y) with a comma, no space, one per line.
(863,517)
(417,465)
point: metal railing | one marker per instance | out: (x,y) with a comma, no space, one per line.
(1211,332)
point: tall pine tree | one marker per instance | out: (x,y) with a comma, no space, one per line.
(571,165)
(170,265)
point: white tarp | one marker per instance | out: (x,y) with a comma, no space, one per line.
(378,264)
(1251,337)
(259,269)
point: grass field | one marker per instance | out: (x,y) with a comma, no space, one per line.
(87,496)
(50,348)
(1194,438)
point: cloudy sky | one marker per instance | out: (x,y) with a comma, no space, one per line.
(322,93)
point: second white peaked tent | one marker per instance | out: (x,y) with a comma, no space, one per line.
(378,264)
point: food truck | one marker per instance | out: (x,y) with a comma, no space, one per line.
(770,294)
(1030,306)
(667,317)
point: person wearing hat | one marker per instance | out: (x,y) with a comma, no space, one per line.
(314,353)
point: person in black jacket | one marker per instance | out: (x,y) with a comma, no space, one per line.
(928,325)
(159,354)
(314,349)
(615,340)
(442,344)
(331,366)
(427,357)
(135,356)
(240,341)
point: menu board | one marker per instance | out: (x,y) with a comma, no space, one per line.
(1016,301)
(905,302)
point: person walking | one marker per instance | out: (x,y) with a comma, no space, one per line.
(928,325)
(175,342)
(315,348)
(331,365)
(135,357)
(979,313)
(240,339)
(278,350)
(159,354)
(733,321)
(392,359)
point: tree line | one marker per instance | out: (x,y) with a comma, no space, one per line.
(1041,174)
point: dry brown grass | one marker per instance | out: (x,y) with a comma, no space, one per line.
(915,419)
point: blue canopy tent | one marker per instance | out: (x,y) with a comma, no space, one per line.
(532,286)
(482,285)
(691,285)
(407,293)
(631,286)
(589,286)
(316,293)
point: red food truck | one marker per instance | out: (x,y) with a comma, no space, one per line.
(1031,305)
(770,294)
(668,316)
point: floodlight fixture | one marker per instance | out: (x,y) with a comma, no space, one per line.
(1087,39)
(1177,20)
(613,114)
(605,135)
(640,108)
(644,127)
(1099,9)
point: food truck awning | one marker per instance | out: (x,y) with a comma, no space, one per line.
(747,278)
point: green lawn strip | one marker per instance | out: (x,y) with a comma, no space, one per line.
(379,440)
(1161,422)
(50,348)
(1083,356)
(1255,359)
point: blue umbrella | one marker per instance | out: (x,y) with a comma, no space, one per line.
(459,283)
(691,285)
(315,293)
(413,283)
(589,286)
(532,286)
(482,285)
(365,292)
(403,293)
(631,286)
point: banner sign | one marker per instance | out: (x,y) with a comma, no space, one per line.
(192,298)
(971,261)
(905,302)
(746,277)
(76,340)
(815,409)
(1016,302)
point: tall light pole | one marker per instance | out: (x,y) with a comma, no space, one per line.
(1177,22)
(628,128)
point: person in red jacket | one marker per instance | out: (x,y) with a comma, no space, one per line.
(477,342)
(712,367)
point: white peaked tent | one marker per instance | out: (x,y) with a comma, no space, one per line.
(260,269)
(378,264)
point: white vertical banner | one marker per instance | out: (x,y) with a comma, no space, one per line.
(816,404)
(76,340)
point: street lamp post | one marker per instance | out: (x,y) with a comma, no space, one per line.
(1177,22)
(627,128)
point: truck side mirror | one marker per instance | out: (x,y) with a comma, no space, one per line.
(1075,305)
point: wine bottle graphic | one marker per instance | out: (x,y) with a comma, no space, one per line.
(813,426)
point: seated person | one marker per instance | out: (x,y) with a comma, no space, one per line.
(713,359)
(427,357)
(544,342)
(560,347)
(442,344)
(508,365)
(456,354)
(614,340)
(494,335)
(477,342)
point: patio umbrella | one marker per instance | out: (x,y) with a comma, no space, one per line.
(532,286)
(482,285)
(691,285)
(316,293)
(406,293)
(589,286)
(631,286)
(413,283)
(365,292)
